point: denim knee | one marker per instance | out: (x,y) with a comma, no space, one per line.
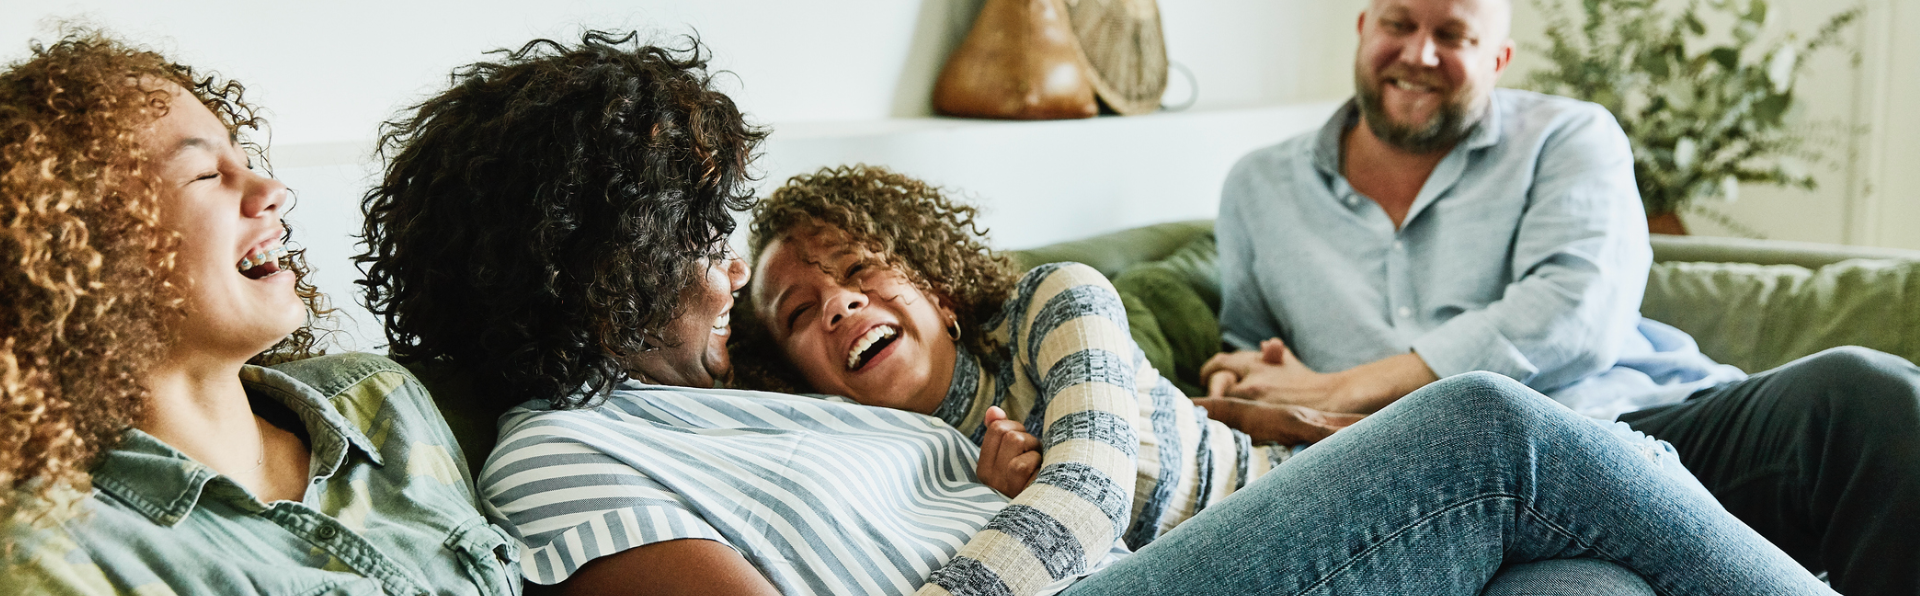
(1567,577)
(1478,393)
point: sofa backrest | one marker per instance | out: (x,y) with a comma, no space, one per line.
(1755,304)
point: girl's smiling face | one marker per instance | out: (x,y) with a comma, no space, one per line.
(852,325)
(240,301)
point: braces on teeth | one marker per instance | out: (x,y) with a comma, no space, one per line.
(272,254)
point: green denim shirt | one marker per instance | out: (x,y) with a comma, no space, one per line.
(390,508)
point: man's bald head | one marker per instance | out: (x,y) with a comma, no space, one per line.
(1498,23)
(1426,68)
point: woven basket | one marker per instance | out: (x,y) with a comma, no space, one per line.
(1124,45)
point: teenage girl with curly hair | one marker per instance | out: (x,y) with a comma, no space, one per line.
(164,424)
(961,336)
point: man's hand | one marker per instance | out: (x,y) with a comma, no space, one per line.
(1009,456)
(1281,423)
(1274,375)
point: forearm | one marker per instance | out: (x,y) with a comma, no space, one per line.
(1366,388)
(666,568)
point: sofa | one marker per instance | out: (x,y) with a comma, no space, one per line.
(1754,304)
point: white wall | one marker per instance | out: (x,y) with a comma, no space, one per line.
(838,82)
(848,80)
(330,71)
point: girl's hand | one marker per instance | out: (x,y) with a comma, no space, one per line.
(1009,456)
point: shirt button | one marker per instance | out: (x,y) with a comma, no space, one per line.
(1398,245)
(327,533)
(1405,312)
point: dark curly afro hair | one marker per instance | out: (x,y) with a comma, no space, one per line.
(540,220)
(915,229)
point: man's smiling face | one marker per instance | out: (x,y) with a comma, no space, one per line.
(1425,68)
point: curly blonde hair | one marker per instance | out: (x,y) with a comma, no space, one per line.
(913,227)
(89,305)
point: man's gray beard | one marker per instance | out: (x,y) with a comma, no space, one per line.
(1442,132)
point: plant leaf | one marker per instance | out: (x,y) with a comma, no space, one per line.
(1772,109)
(1756,12)
(1729,58)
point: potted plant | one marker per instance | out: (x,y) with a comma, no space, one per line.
(1704,112)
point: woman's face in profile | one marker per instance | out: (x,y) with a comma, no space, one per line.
(852,325)
(240,301)
(695,352)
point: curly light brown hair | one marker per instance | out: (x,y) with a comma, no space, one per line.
(913,227)
(90,304)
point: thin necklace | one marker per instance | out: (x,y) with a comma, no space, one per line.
(263,446)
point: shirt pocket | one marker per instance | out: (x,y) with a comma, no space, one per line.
(489,556)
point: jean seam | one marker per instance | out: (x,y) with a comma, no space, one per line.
(1343,567)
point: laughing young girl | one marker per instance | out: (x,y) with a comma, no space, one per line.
(162,428)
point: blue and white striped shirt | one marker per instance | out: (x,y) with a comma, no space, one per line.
(822,496)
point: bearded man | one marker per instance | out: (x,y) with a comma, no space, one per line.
(1437,225)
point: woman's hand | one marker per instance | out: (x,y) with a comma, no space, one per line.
(1282,423)
(1009,456)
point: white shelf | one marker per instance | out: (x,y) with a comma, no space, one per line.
(892,126)
(1050,180)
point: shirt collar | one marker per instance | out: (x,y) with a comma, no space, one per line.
(1326,147)
(954,409)
(165,485)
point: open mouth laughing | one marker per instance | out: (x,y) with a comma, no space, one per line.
(1410,86)
(870,345)
(264,262)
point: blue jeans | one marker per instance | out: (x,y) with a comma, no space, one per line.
(1434,494)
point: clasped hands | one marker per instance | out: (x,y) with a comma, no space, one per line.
(1272,396)
(1268,394)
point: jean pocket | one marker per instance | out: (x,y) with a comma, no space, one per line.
(490,556)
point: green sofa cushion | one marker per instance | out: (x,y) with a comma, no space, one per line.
(1758,317)
(1114,252)
(1172,307)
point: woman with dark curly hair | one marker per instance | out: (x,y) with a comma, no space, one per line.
(621,172)
(146,445)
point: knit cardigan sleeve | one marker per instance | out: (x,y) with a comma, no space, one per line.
(1073,386)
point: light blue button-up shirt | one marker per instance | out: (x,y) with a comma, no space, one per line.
(1525,254)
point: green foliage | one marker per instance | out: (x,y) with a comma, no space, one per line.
(1703,114)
